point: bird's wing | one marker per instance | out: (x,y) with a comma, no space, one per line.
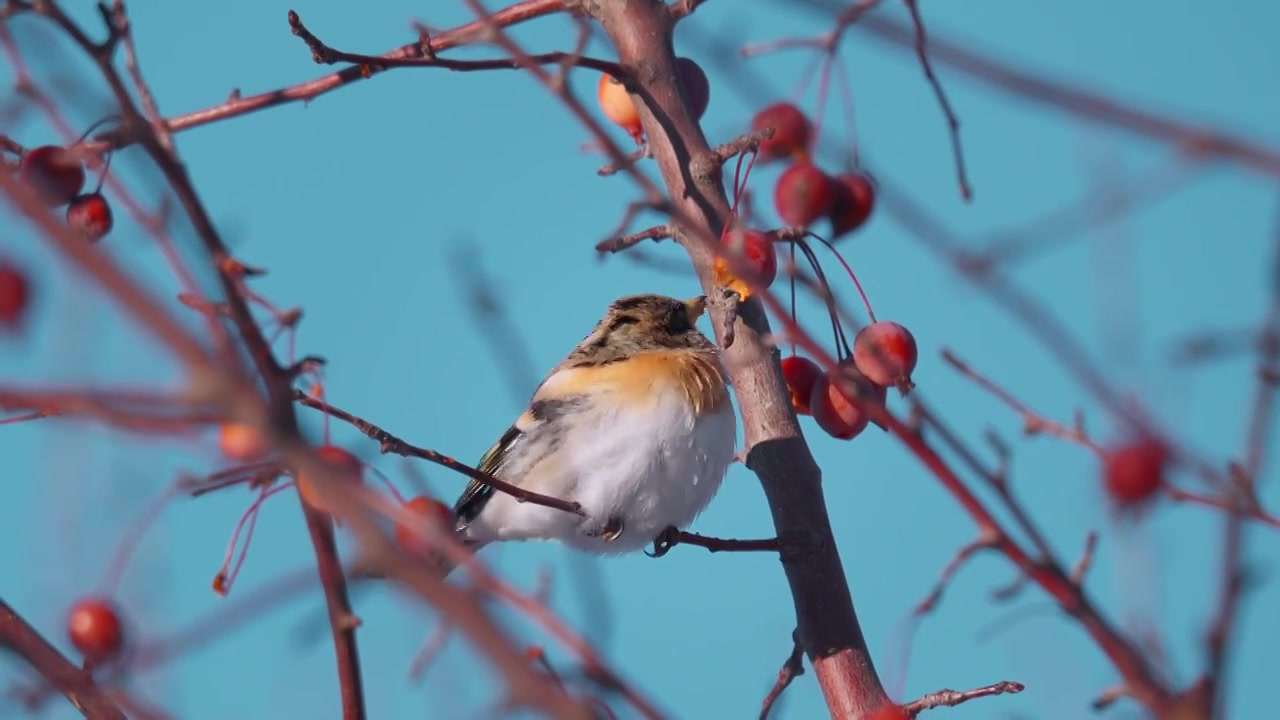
(540,426)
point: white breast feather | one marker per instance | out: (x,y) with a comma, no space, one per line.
(654,466)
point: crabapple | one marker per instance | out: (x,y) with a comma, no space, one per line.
(1134,472)
(94,627)
(801,374)
(89,215)
(886,353)
(427,508)
(855,199)
(835,410)
(803,194)
(53,173)
(792,132)
(696,86)
(15,295)
(616,104)
(241,442)
(756,249)
(341,461)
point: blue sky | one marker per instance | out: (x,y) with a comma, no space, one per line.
(359,202)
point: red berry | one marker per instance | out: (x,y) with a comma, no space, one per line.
(90,216)
(429,509)
(792,132)
(696,86)
(241,442)
(1133,473)
(756,249)
(855,199)
(53,173)
(341,460)
(803,194)
(14,297)
(95,629)
(617,105)
(834,410)
(801,374)
(886,353)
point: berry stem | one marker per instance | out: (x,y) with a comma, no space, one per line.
(129,543)
(803,86)
(387,481)
(793,294)
(226,576)
(843,350)
(740,187)
(99,123)
(847,103)
(865,302)
(824,89)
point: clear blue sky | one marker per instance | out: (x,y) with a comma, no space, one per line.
(358,202)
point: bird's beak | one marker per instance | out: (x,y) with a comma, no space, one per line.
(695,307)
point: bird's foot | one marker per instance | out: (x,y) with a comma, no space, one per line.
(610,531)
(666,540)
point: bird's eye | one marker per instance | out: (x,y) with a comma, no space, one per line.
(678,319)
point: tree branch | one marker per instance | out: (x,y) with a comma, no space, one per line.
(76,684)
(776,451)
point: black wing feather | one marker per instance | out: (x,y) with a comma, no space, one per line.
(543,414)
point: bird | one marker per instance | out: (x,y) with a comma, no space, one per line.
(635,425)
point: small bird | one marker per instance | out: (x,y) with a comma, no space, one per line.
(635,426)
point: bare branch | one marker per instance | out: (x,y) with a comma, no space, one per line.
(76,684)
(951,698)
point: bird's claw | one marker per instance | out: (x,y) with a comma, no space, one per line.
(666,540)
(611,530)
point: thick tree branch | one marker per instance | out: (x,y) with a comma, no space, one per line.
(827,624)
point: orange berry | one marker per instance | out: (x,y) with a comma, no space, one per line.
(430,510)
(341,461)
(616,104)
(241,442)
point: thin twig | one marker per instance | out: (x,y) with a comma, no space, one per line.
(792,668)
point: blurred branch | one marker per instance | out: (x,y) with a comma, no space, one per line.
(76,684)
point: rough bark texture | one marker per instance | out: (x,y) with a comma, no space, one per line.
(828,627)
